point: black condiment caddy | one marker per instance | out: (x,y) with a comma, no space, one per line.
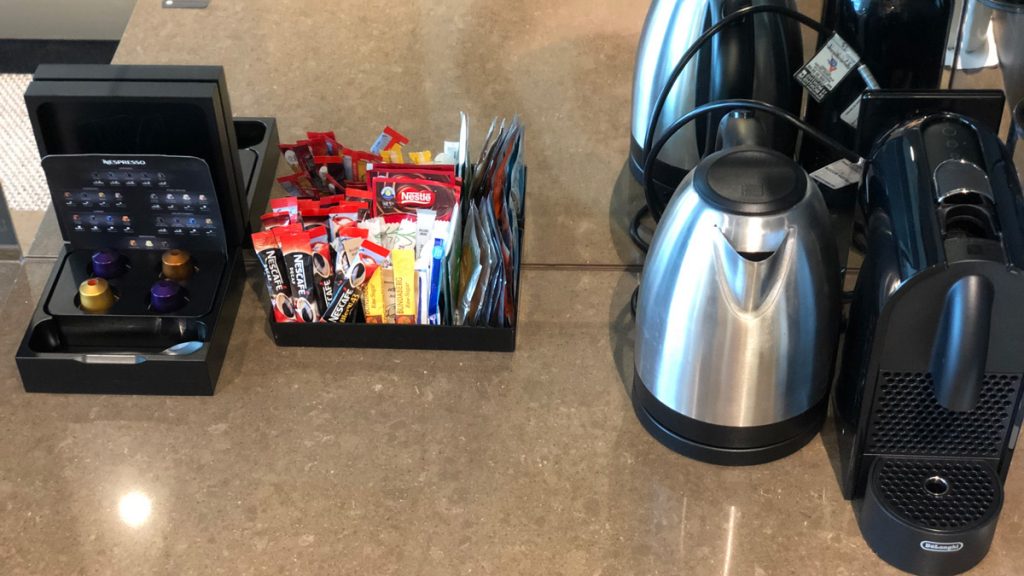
(405,336)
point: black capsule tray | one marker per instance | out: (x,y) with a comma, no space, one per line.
(121,353)
(132,288)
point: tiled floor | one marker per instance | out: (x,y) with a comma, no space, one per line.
(20,175)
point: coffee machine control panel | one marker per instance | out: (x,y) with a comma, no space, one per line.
(956,158)
(135,202)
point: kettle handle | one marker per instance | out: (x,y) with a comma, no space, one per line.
(741,128)
(732,73)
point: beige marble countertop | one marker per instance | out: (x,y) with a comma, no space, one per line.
(416,462)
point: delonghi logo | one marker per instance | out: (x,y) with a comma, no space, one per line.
(930,546)
(122,162)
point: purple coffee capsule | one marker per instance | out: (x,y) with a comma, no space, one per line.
(166,296)
(107,264)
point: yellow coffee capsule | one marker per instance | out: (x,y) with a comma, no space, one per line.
(95,296)
(177,265)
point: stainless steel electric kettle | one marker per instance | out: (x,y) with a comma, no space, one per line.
(755,58)
(739,307)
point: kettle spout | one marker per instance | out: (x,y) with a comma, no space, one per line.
(752,279)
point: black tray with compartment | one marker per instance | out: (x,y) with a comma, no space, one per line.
(126,115)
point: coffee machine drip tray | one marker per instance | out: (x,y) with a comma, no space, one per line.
(931,516)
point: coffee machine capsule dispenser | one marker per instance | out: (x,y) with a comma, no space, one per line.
(155,188)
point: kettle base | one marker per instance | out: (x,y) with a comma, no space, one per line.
(803,429)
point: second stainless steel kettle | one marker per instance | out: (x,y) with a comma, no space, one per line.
(755,58)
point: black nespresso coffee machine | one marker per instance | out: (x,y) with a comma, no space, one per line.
(155,187)
(928,398)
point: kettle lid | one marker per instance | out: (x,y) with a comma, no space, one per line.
(750,180)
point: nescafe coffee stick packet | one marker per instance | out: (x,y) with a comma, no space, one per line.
(323,143)
(330,167)
(323,271)
(288,205)
(338,221)
(298,258)
(320,147)
(356,194)
(275,220)
(328,134)
(275,275)
(370,257)
(334,186)
(346,252)
(317,234)
(393,156)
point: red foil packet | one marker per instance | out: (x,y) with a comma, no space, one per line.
(402,196)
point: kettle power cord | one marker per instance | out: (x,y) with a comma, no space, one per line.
(740,104)
(651,149)
(706,37)
(689,55)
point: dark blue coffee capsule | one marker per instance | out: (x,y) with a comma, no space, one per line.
(107,264)
(166,296)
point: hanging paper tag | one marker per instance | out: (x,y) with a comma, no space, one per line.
(839,174)
(852,113)
(828,67)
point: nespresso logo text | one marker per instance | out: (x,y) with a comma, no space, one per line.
(123,162)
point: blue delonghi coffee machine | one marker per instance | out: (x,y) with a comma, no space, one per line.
(928,398)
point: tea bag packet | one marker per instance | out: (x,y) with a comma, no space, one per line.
(470,269)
